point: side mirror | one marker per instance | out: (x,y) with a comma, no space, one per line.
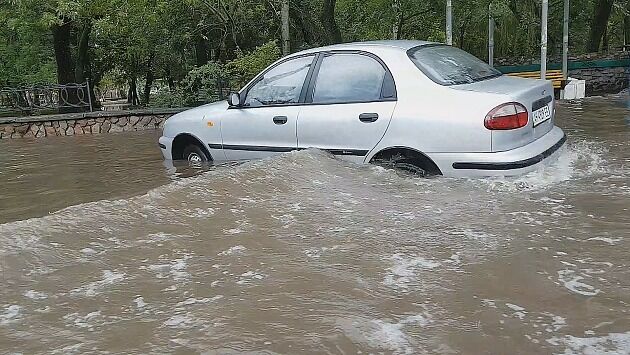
(234,100)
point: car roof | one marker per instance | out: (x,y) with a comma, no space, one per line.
(368,45)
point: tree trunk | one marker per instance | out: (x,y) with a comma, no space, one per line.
(302,21)
(63,56)
(132,95)
(605,39)
(626,32)
(599,22)
(149,80)
(201,51)
(62,34)
(169,79)
(333,35)
(83,70)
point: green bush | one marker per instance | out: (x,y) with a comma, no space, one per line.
(204,84)
(246,66)
(212,81)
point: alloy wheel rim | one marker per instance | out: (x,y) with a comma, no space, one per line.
(194,158)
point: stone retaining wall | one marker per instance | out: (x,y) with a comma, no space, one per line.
(83,123)
(602,80)
(608,80)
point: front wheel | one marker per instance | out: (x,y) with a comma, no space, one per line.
(195,155)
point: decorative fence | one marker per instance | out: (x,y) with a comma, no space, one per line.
(53,98)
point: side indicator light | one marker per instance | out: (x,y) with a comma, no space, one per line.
(210,124)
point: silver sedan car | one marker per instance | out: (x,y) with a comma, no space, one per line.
(423,107)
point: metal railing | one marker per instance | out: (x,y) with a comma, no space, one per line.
(46,98)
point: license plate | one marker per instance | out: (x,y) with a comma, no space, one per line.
(541,115)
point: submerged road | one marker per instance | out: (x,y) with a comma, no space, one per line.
(103,249)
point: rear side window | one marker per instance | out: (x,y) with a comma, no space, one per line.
(448,65)
(348,78)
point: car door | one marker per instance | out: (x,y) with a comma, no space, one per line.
(266,123)
(349,104)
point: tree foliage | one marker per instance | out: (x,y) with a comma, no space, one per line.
(180,47)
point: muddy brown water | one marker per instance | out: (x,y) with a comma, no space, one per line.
(103,249)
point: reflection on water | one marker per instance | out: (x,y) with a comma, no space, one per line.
(304,253)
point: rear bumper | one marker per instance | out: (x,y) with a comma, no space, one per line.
(166,144)
(512,162)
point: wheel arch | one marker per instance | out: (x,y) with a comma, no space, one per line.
(184,139)
(423,160)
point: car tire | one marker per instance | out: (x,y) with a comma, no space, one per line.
(409,166)
(195,155)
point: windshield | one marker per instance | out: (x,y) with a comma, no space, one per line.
(448,65)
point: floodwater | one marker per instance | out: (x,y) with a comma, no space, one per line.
(104,249)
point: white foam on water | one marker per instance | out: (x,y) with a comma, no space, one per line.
(237,249)
(233,231)
(200,212)
(139,301)
(610,344)
(93,288)
(611,241)
(35,295)
(11,314)
(572,282)
(250,276)
(88,251)
(192,300)
(404,269)
(179,321)
(392,336)
(316,253)
(519,311)
(86,321)
(160,237)
(489,303)
(574,160)
(557,323)
(175,269)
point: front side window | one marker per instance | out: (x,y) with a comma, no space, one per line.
(280,85)
(348,78)
(448,65)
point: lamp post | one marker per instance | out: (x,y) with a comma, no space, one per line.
(543,39)
(490,37)
(449,22)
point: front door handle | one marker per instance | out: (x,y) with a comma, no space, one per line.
(280,119)
(368,117)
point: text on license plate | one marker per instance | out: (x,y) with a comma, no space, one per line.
(541,115)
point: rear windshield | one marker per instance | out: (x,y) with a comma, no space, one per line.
(448,65)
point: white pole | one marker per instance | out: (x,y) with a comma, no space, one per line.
(543,39)
(449,22)
(490,38)
(565,42)
(286,40)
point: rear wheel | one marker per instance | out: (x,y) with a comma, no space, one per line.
(195,155)
(409,166)
(402,164)
(406,161)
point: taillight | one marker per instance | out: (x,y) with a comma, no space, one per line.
(507,116)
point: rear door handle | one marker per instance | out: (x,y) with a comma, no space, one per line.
(280,119)
(368,117)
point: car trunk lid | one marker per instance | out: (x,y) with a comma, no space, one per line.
(535,95)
